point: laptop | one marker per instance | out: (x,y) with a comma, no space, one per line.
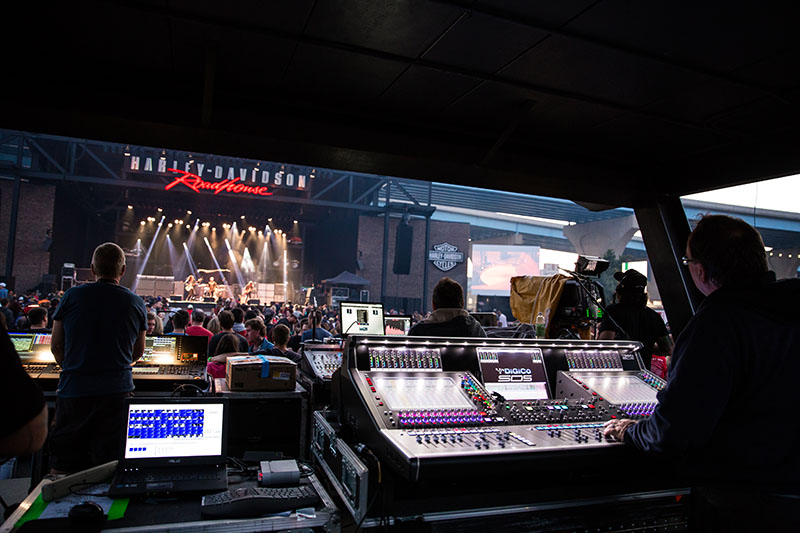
(173,445)
(364,318)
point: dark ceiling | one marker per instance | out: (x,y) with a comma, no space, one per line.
(608,102)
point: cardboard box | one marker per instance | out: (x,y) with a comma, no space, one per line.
(260,373)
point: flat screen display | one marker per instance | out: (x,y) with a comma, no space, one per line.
(396,324)
(516,374)
(175,349)
(493,266)
(23,342)
(164,430)
(421,393)
(160,350)
(361,317)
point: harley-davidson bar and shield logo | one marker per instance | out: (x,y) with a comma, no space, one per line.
(445,256)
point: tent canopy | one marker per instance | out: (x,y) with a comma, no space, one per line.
(347,278)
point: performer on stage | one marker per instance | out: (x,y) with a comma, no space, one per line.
(248,291)
(212,287)
(189,285)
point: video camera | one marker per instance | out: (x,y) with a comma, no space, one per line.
(582,300)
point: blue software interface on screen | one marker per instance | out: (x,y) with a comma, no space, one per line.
(173,431)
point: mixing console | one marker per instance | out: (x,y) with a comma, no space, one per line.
(429,411)
(42,370)
(167,359)
(516,415)
(323,362)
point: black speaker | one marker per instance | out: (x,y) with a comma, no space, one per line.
(402,249)
(209,299)
(253,301)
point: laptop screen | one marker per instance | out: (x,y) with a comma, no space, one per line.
(160,430)
(361,318)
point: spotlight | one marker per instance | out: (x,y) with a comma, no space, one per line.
(269,220)
(295,222)
(163,155)
(260,233)
(188,212)
(142,223)
(130,207)
(169,225)
(127,150)
(177,221)
(160,210)
(213,229)
(180,222)
(188,226)
(191,159)
(242,217)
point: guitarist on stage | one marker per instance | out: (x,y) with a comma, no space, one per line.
(189,285)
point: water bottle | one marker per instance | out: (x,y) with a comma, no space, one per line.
(540,326)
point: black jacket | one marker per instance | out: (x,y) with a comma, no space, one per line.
(728,408)
(448,323)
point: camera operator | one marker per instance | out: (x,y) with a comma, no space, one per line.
(634,318)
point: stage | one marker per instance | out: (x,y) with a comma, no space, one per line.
(196,304)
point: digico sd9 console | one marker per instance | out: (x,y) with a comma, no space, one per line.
(425,405)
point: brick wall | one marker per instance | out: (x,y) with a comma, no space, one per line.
(370,252)
(35,217)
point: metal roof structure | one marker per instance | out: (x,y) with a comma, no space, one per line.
(608,102)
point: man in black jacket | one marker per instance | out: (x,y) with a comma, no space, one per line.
(726,410)
(449,318)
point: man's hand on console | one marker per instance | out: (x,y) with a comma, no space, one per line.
(616,428)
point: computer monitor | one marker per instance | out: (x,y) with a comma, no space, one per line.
(23,342)
(175,350)
(396,324)
(514,373)
(193,349)
(361,317)
(160,350)
(175,428)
